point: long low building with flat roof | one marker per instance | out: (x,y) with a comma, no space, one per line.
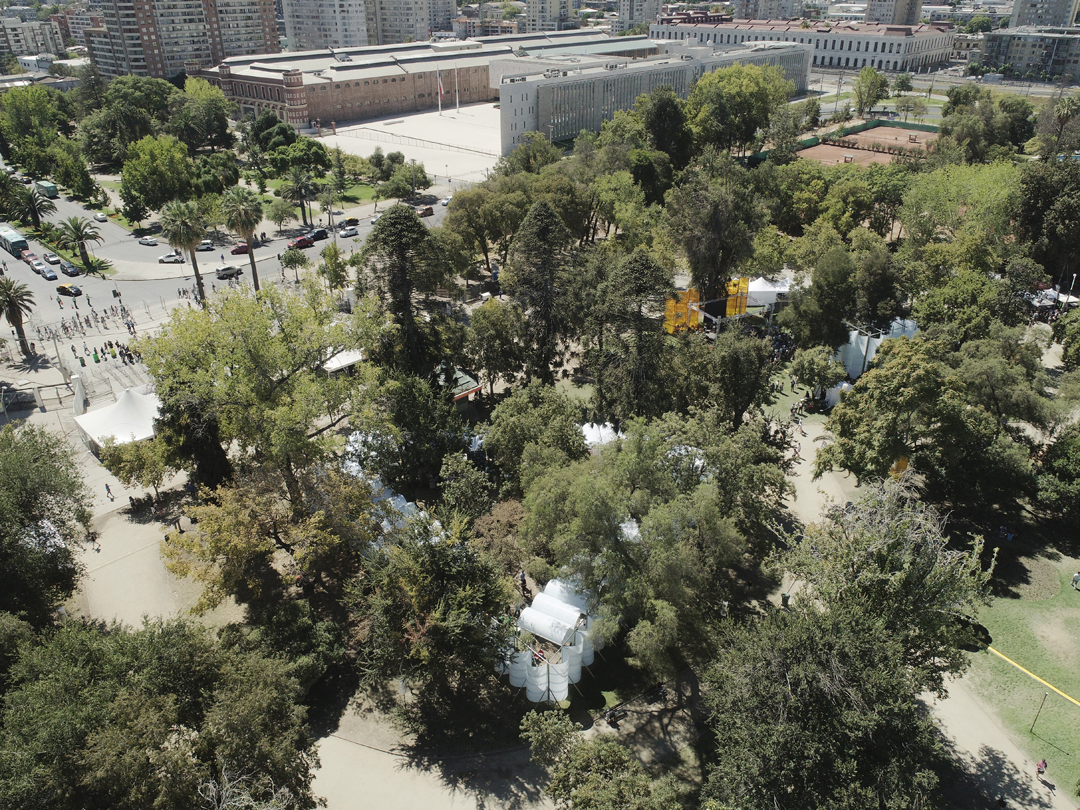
(561,95)
(306,88)
(911,48)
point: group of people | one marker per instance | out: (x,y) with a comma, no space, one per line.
(109,348)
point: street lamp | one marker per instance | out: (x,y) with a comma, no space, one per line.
(1069,296)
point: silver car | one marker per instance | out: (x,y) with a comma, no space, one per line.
(171,258)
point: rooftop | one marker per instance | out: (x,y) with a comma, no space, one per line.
(822,27)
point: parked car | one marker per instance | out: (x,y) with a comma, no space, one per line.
(348,231)
(48,273)
(302,242)
(68,269)
(319,233)
(241,248)
(28,256)
(37,265)
(171,258)
(205,244)
(69,290)
(351,221)
(100,217)
(425,211)
(446,200)
(229,271)
(375,218)
(51,258)
(148,241)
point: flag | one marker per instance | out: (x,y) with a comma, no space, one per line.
(438,73)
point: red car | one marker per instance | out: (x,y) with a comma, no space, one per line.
(241,248)
(302,242)
(29,256)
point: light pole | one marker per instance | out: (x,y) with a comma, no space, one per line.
(1069,296)
(839,86)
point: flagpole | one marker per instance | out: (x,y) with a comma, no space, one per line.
(438,79)
(457,98)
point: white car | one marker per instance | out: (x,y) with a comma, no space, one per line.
(446,200)
(148,240)
(205,244)
(375,218)
(349,230)
(51,258)
(38,266)
(100,217)
(171,258)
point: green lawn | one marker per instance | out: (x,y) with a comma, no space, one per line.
(1038,630)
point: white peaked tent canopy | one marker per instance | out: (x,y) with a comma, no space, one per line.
(596,435)
(763,292)
(130,418)
(343,359)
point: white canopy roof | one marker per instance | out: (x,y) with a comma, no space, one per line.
(763,292)
(344,359)
(596,435)
(129,419)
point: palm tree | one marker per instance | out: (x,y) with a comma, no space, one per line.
(8,187)
(298,188)
(16,302)
(31,204)
(1064,112)
(75,233)
(326,204)
(185,226)
(243,211)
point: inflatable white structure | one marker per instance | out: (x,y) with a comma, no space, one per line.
(859,352)
(560,616)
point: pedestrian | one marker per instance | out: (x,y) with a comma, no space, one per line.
(803,432)
(798,450)
(1040,767)
(522,584)
(108,491)
(1076,579)
(131,500)
(223,258)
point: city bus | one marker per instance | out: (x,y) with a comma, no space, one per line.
(12,241)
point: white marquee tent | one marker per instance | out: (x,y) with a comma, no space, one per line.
(129,419)
(762,292)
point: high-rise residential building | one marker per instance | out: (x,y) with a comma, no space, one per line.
(158,38)
(71,22)
(893,12)
(1057,13)
(768,9)
(314,24)
(633,13)
(401,21)
(547,15)
(30,38)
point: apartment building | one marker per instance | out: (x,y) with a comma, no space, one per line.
(30,38)
(1057,13)
(71,22)
(1033,49)
(911,48)
(768,9)
(893,12)
(633,13)
(311,24)
(160,38)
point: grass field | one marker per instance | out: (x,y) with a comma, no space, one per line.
(1037,626)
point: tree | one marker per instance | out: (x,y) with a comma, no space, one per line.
(44,514)
(713,216)
(295,259)
(814,708)
(200,115)
(137,463)
(76,232)
(911,405)
(533,415)
(157,171)
(1059,475)
(307,154)
(256,366)
(532,154)
(466,490)
(550,736)
(280,212)
(816,316)
(333,267)
(114,717)
(816,369)
(298,188)
(31,205)
(418,605)
(663,118)
(902,84)
(243,212)
(728,108)
(888,555)
(869,88)
(494,342)
(338,171)
(17,302)
(184,226)
(402,259)
(539,255)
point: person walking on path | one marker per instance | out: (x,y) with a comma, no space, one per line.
(108,491)
(1076,579)
(798,450)
(1040,767)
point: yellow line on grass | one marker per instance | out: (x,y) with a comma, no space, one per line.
(1033,675)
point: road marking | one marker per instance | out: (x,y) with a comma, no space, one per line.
(1033,675)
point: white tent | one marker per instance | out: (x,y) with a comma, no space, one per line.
(129,419)
(596,435)
(832,396)
(762,292)
(343,359)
